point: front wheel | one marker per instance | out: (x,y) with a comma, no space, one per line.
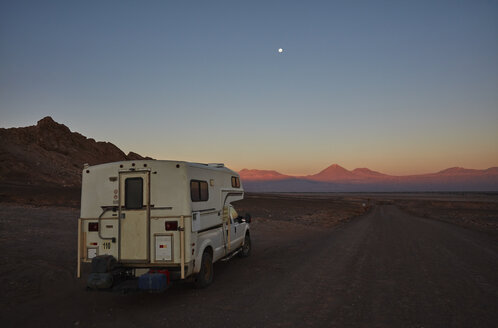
(205,276)
(246,248)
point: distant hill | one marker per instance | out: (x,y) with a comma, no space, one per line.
(333,173)
(367,173)
(338,179)
(265,175)
(50,154)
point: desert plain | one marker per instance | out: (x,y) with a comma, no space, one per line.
(318,260)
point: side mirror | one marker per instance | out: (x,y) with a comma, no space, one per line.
(248,218)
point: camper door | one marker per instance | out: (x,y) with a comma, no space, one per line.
(134,201)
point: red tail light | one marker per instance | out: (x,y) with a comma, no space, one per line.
(171,225)
(93,226)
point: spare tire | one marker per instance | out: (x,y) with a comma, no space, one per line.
(99,280)
(103,263)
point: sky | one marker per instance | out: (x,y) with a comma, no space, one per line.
(401,87)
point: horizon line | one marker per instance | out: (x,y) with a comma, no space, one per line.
(378,171)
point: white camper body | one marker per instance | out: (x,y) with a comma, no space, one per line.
(155,214)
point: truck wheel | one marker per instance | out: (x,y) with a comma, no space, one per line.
(246,248)
(205,276)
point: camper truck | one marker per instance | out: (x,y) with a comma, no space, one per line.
(154,221)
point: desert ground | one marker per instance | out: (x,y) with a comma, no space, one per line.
(318,260)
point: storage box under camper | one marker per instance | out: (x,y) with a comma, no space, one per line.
(154,214)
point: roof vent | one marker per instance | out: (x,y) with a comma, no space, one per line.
(216,164)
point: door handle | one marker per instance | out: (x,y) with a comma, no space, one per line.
(123,215)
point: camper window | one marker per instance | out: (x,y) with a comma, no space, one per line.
(199,191)
(134,193)
(235,182)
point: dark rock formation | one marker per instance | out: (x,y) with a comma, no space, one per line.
(50,154)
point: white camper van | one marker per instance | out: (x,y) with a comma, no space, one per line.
(166,217)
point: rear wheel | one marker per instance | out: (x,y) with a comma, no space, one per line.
(205,276)
(246,248)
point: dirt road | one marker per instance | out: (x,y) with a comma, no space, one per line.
(384,269)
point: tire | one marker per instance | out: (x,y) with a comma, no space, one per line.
(246,248)
(103,263)
(205,276)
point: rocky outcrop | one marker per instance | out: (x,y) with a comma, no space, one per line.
(49,153)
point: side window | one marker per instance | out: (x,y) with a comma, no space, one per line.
(204,190)
(199,191)
(195,194)
(235,182)
(134,197)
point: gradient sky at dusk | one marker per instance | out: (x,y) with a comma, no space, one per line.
(400,87)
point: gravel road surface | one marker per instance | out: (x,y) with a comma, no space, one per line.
(384,269)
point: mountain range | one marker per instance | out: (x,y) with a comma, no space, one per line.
(50,154)
(336,178)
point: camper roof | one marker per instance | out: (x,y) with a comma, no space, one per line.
(210,166)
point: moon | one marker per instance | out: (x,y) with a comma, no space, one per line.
(280,50)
